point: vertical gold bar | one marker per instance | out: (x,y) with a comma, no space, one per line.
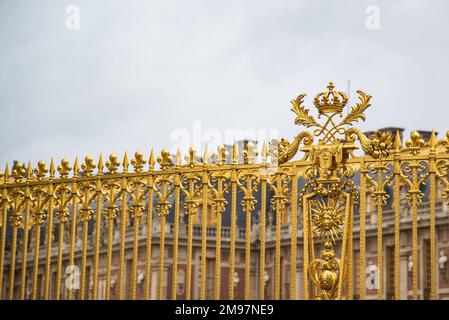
(123,222)
(247,251)
(23,283)
(205,182)
(344,245)
(85,219)
(305,268)
(49,231)
(61,221)
(233,227)
(37,233)
(149,235)
(263,216)
(96,264)
(349,276)
(109,256)
(362,255)
(161,258)
(415,239)
(38,219)
(294,235)
(217,255)
(72,232)
(3,240)
(277,267)
(135,252)
(15,222)
(380,191)
(397,208)
(189,257)
(432,199)
(175,237)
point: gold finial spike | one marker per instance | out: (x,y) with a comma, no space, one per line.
(100,164)
(206,154)
(397,142)
(52,168)
(178,157)
(29,170)
(433,141)
(125,162)
(151,161)
(76,167)
(235,154)
(6,172)
(264,152)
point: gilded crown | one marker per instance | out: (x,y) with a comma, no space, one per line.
(330,101)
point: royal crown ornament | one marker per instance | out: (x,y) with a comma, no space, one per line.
(330,101)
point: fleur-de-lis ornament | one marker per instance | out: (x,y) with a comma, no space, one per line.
(138,161)
(250,153)
(415,143)
(191,157)
(64,168)
(165,159)
(41,170)
(112,164)
(18,172)
(88,166)
(221,155)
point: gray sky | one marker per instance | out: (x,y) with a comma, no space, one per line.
(136,71)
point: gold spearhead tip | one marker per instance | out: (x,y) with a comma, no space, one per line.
(264,152)
(235,153)
(397,141)
(151,161)
(29,170)
(206,154)
(100,163)
(6,171)
(178,156)
(125,162)
(433,141)
(52,167)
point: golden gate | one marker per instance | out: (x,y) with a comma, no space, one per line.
(84,222)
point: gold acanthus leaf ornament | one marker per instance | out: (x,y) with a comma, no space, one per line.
(356,112)
(303,117)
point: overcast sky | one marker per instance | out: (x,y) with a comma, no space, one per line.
(136,72)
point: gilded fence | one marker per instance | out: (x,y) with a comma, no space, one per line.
(357,216)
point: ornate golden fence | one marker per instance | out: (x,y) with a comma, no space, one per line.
(101,230)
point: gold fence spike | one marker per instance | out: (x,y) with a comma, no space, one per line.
(206,154)
(397,142)
(235,154)
(151,160)
(178,157)
(6,176)
(100,164)
(264,152)
(29,171)
(433,141)
(76,167)
(52,169)
(125,162)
